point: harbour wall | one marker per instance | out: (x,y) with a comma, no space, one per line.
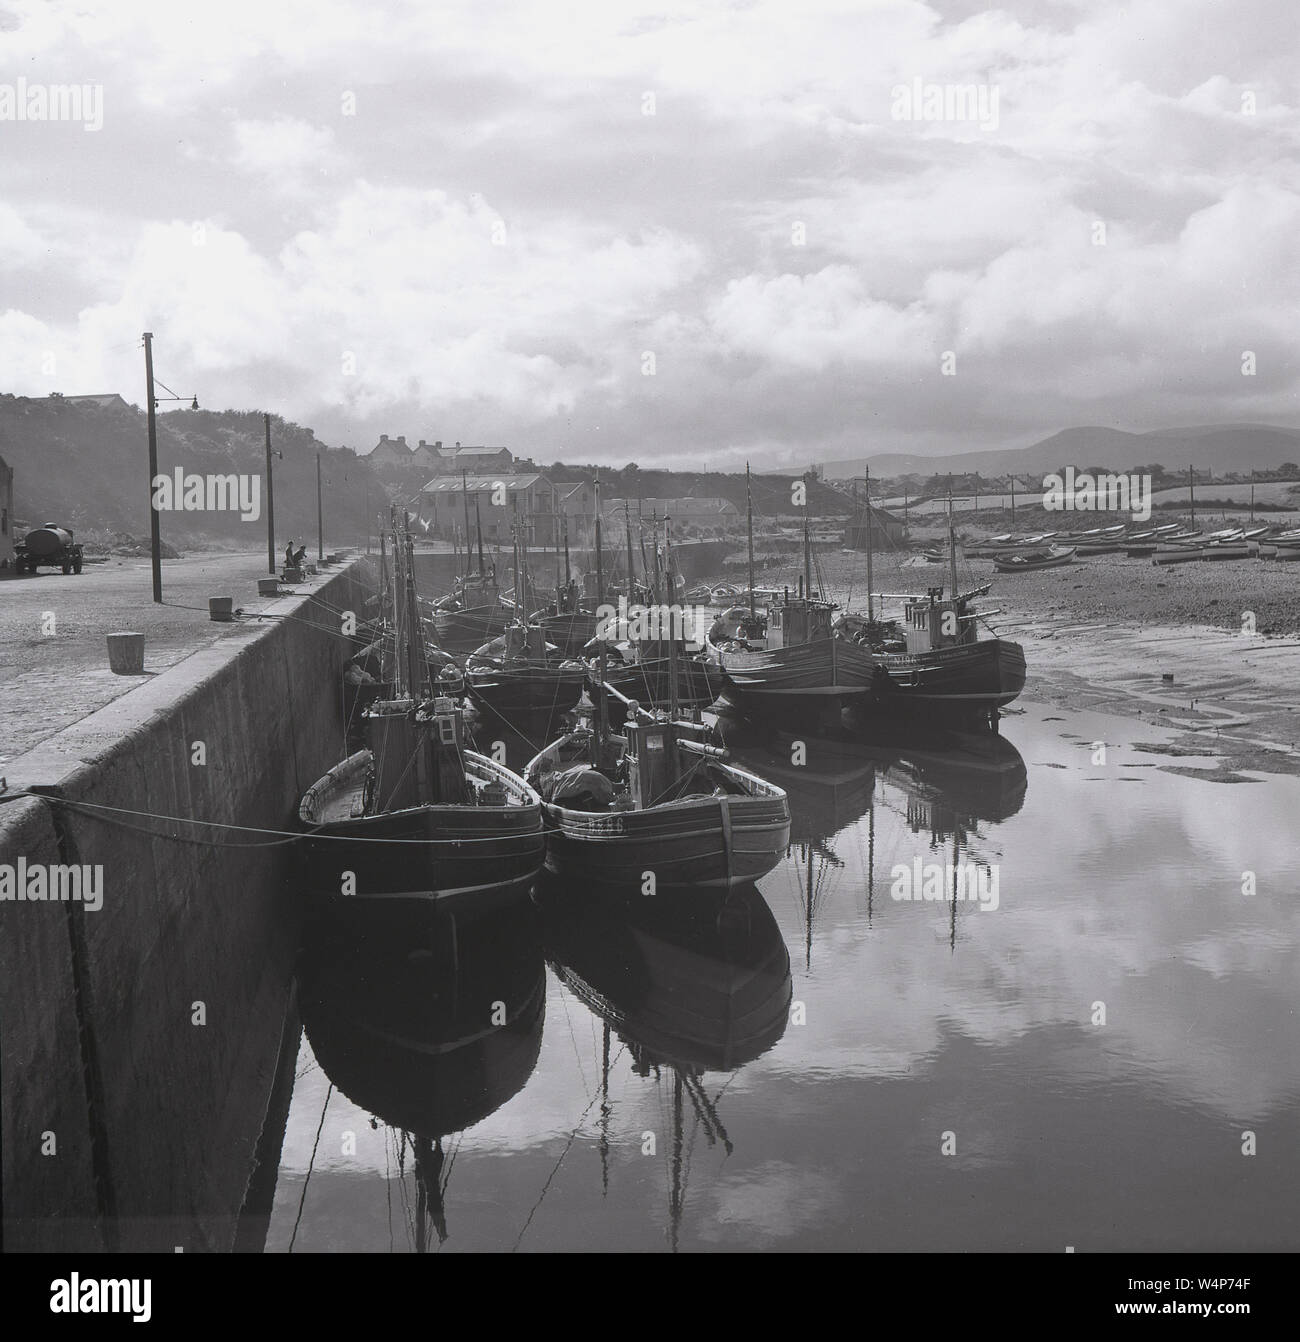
(143,1044)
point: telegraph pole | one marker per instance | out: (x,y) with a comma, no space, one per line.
(320,514)
(270,503)
(155,537)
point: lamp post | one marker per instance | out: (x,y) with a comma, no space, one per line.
(320,514)
(270,499)
(151,403)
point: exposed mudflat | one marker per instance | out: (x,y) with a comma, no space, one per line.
(1103,633)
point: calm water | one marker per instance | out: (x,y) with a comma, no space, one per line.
(818,1065)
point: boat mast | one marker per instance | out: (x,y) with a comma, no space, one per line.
(514,545)
(399,660)
(602,704)
(568,576)
(627,514)
(749,522)
(672,633)
(952,550)
(867,485)
(464,494)
(414,633)
(478,526)
(807,555)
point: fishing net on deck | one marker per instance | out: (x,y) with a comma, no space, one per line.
(579,789)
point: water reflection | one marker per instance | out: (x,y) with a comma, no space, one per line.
(430,1033)
(689,983)
(1105,1129)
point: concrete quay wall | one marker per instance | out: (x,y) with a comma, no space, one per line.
(145,1036)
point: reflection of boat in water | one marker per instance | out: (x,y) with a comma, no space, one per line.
(429,1039)
(698,980)
(973,775)
(688,984)
(829,782)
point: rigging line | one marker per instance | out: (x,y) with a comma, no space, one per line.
(310,1165)
(388,1186)
(572,1136)
(287,835)
(573,1039)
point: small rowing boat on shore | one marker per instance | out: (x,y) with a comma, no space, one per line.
(1054,557)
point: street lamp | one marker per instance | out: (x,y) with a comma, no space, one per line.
(151,401)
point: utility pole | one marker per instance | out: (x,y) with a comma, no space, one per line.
(155,537)
(270,502)
(320,514)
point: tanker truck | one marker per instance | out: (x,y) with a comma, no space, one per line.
(51,546)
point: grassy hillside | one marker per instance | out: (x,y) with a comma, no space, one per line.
(87,468)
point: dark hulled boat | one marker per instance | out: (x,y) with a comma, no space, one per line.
(957,673)
(415,818)
(803,665)
(645,670)
(933,661)
(655,800)
(800,667)
(472,613)
(521,675)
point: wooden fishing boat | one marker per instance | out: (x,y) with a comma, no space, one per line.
(567,622)
(933,661)
(414,816)
(816,671)
(655,801)
(472,613)
(1206,550)
(1055,557)
(645,671)
(801,667)
(520,675)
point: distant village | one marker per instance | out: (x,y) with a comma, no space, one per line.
(459,481)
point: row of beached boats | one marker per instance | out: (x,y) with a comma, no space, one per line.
(1171,543)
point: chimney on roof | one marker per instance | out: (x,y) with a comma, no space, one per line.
(423,443)
(437,447)
(383,437)
(458,445)
(402,440)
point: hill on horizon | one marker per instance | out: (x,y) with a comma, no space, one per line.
(1221,448)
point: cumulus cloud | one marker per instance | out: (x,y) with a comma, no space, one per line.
(498,214)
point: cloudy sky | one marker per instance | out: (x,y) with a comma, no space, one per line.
(677,233)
